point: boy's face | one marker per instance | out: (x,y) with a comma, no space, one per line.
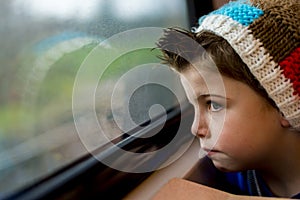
(236,126)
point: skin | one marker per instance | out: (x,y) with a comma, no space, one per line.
(239,130)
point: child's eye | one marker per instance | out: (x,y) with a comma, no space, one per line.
(213,106)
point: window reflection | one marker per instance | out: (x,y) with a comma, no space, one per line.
(43,43)
(61,10)
(132,10)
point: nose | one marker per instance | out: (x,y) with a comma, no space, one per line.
(200,126)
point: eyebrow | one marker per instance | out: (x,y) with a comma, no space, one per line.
(203,96)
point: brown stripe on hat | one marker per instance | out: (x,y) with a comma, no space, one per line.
(278,29)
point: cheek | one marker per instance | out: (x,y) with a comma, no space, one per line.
(234,132)
(245,136)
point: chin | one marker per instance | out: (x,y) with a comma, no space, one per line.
(223,169)
(226,167)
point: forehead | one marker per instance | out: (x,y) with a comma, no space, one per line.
(203,81)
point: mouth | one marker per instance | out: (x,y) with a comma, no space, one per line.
(210,152)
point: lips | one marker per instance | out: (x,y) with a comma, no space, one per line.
(210,152)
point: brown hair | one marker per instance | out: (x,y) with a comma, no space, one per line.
(217,48)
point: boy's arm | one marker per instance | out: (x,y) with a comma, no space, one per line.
(183,189)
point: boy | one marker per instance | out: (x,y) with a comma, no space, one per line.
(249,122)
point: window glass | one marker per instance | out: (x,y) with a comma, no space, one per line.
(47,48)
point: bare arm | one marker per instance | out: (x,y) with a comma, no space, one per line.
(183,189)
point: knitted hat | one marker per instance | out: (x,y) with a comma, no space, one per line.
(266,35)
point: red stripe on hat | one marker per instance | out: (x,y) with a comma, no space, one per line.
(291,69)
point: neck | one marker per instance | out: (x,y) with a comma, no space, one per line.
(282,174)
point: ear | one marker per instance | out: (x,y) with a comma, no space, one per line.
(284,122)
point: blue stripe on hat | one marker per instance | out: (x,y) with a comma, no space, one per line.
(239,11)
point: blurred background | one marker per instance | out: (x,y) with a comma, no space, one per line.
(43,44)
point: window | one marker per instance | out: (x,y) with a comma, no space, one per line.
(53,99)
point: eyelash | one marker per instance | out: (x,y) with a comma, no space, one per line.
(211,106)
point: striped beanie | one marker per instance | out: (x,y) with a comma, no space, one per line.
(266,35)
